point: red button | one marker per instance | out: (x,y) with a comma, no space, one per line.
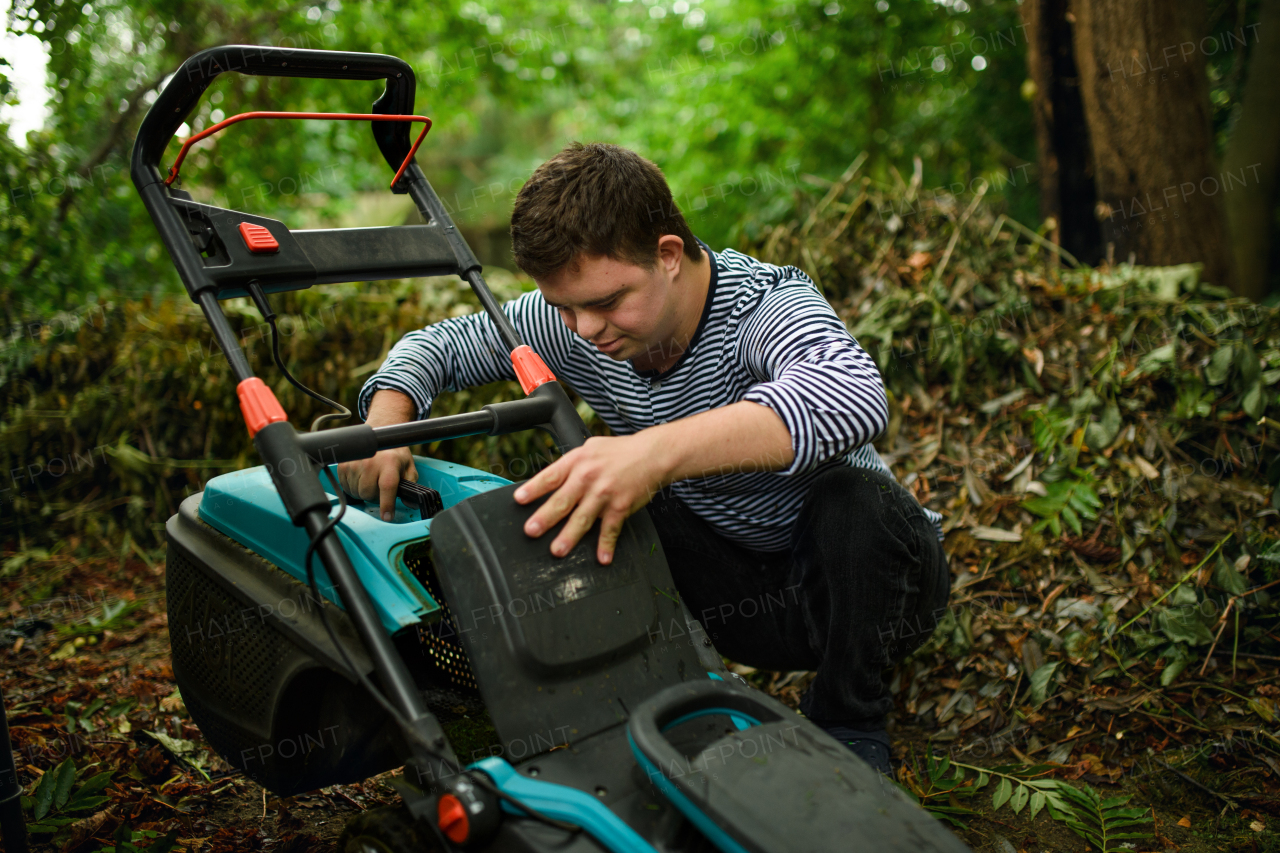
(258,238)
(453,818)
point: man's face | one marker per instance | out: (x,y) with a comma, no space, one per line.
(623,309)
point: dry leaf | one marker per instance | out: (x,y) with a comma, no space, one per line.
(993,534)
(87,828)
(172,703)
(1036,357)
(1148,470)
(1186,822)
(1092,549)
(919,260)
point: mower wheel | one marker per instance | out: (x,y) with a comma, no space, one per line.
(390,829)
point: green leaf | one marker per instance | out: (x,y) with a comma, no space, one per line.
(1099,821)
(1219,366)
(1038,800)
(44,793)
(983,779)
(66,779)
(1019,799)
(1099,435)
(95,783)
(1227,578)
(1041,681)
(60,821)
(1172,670)
(1156,360)
(1247,361)
(79,803)
(1254,401)
(1003,791)
(1185,624)
(1073,520)
(950,815)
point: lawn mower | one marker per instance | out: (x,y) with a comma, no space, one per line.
(315,643)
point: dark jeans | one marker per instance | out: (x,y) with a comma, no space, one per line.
(862,585)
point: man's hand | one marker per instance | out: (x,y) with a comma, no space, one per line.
(607,478)
(379,476)
(610,478)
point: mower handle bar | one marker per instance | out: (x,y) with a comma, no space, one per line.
(188,83)
(345,444)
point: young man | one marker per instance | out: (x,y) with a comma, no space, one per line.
(742,411)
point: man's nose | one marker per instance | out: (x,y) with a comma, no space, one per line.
(590,325)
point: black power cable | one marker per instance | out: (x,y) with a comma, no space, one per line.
(269,316)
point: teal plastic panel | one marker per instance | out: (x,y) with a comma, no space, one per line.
(244,505)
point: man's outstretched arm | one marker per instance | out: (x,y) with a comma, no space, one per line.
(611,477)
(460,352)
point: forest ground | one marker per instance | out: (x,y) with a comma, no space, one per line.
(1219,799)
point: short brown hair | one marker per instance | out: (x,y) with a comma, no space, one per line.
(599,200)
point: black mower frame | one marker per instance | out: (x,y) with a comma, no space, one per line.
(214,264)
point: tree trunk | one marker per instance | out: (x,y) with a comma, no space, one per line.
(1146,101)
(1254,152)
(1067,191)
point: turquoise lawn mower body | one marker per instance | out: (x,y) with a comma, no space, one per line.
(245,506)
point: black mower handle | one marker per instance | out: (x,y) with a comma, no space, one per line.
(190,81)
(547,407)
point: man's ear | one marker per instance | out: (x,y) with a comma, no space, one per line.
(671,253)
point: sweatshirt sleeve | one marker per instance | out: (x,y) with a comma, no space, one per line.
(463,352)
(823,385)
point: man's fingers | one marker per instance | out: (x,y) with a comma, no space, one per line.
(545,480)
(577,526)
(349,476)
(369,481)
(610,529)
(554,508)
(388,482)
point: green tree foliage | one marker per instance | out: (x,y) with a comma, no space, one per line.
(737,101)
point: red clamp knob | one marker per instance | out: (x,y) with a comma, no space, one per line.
(259,405)
(531,370)
(452,818)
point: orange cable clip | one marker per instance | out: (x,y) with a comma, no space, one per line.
(259,405)
(531,370)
